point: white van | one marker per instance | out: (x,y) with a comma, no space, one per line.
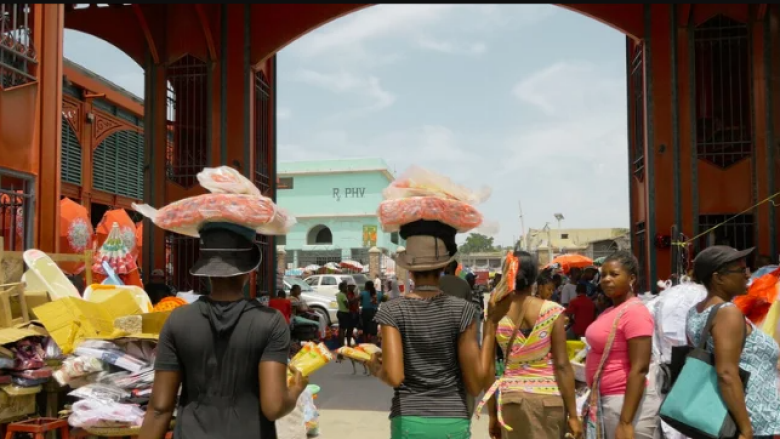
(327,284)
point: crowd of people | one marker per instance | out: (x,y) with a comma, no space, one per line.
(441,349)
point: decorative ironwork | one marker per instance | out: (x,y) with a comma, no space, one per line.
(738,232)
(638,111)
(103,125)
(187,115)
(181,252)
(17,51)
(264,178)
(16,209)
(724,134)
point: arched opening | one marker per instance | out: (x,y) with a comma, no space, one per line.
(423,84)
(319,235)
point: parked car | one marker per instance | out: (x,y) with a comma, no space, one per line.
(323,305)
(327,284)
(360,280)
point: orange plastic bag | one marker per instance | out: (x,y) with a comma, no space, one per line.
(395,213)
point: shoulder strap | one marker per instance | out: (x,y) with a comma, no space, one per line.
(707,330)
(518,324)
(608,347)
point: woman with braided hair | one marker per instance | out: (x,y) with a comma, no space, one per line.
(534,395)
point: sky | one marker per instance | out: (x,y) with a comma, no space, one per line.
(528,100)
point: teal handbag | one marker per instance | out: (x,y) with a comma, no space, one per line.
(694,405)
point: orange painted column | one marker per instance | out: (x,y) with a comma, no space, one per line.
(155,174)
(659,153)
(49,138)
(239,91)
(685,90)
(761,134)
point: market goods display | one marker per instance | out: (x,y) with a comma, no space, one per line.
(169,303)
(354,354)
(233,199)
(311,358)
(419,182)
(114,252)
(507,283)
(419,194)
(395,213)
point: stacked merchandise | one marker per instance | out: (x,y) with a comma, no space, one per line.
(23,372)
(233,199)
(112,381)
(420,194)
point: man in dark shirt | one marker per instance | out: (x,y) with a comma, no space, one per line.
(583,311)
(452,285)
(228,353)
(156,288)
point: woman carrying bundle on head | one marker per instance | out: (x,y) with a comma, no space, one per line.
(429,342)
(534,396)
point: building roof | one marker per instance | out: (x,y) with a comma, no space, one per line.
(86,72)
(334,166)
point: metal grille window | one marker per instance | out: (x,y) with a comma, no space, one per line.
(738,232)
(181,252)
(638,111)
(724,134)
(71,154)
(641,254)
(359,255)
(264,177)
(187,114)
(17,52)
(118,164)
(16,209)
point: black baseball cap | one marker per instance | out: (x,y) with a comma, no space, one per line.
(712,258)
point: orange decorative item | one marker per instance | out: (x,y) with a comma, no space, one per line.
(126,228)
(569,261)
(139,243)
(168,304)
(759,298)
(76,234)
(507,283)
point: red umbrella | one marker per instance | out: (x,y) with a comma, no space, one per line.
(76,233)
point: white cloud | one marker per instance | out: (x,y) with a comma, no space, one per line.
(369,88)
(566,88)
(283,113)
(450,47)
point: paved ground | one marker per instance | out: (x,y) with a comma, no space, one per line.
(356,406)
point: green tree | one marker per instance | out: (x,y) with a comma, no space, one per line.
(476,243)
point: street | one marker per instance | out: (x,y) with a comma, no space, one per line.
(357,406)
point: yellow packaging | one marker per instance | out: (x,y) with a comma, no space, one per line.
(310,359)
(354,354)
(369,348)
(573,347)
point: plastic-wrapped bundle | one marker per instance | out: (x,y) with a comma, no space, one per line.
(233,199)
(397,212)
(188,215)
(419,182)
(89,413)
(419,194)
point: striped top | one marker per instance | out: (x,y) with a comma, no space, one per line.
(433,384)
(529,366)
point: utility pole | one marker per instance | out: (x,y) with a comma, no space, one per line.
(549,242)
(523,241)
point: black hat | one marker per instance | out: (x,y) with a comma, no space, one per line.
(226,250)
(712,258)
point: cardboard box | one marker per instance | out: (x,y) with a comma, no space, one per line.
(70,320)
